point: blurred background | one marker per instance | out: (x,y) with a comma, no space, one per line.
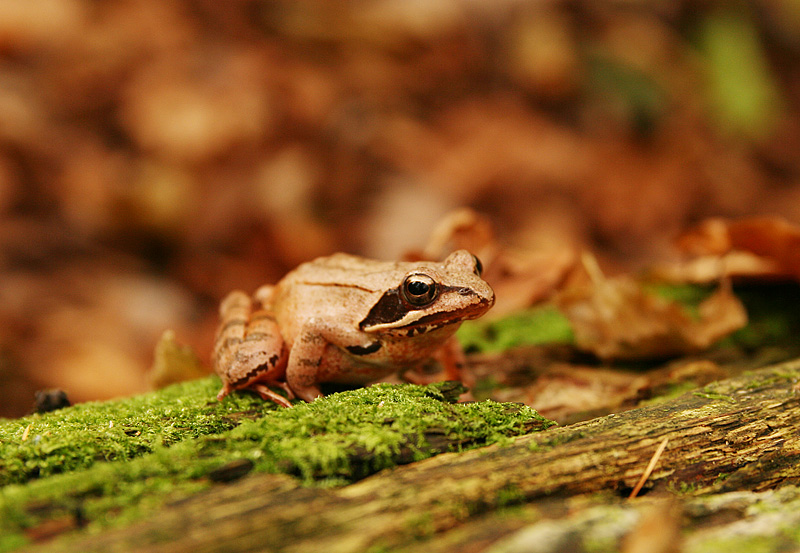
(155,155)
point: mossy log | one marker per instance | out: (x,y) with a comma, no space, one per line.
(740,434)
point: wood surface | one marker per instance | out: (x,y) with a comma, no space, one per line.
(741,434)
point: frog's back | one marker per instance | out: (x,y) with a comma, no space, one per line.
(345,270)
(339,289)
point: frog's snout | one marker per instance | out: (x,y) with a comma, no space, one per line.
(486,296)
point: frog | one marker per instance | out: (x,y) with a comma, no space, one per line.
(347,319)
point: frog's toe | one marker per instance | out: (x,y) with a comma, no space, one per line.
(267,394)
(224,391)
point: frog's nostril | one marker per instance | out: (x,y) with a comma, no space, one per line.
(464,291)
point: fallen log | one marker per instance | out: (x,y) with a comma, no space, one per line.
(741,434)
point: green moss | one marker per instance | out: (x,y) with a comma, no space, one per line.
(42,445)
(541,325)
(743,93)
(669,391)
(332,441)
(774,378)
(509,495)
(770,322)
(714,396)
(421,524)
(679,487)
(721,477)
(688,295)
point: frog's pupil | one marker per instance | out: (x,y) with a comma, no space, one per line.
(418,288)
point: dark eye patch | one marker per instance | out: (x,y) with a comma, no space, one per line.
(391,307)
(387,309)
(478,265)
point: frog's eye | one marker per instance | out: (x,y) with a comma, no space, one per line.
(419,289)
(478,265)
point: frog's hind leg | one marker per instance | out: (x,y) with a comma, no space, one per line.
(249,352)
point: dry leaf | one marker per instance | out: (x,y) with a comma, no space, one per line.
(174,362)
(615,318)
(712,268)
(758,247)
(567,392)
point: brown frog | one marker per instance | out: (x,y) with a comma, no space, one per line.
(347,319)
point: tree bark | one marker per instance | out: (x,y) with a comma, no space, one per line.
(738,434)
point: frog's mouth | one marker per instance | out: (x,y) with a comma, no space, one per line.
(430,323)
(445,318)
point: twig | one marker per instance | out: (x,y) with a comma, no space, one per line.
(650,466)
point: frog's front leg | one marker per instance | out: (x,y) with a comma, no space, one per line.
(314,358)
(249,352)
(450,357)
(305,358)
